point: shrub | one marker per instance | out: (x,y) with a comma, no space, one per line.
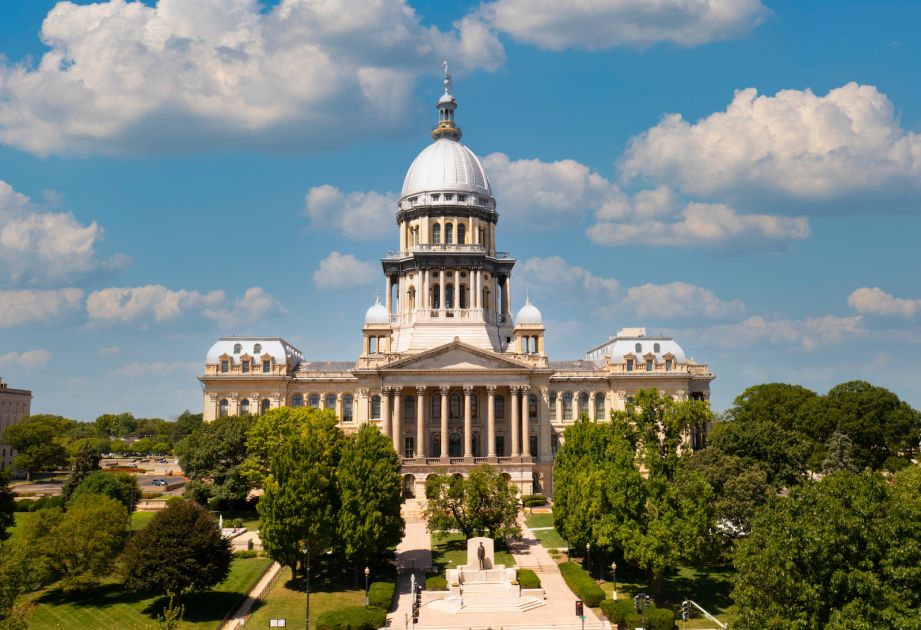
(45,502)
(246,553)
(151,495)
(582,584)
(436,582)
(617,611)
(533,500)
(353,618)
(237,523)
(660,619)
(380,594)
(528,579)
(622,612)
(24,505)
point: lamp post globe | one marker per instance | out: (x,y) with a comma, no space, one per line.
(367,573)
(614,578)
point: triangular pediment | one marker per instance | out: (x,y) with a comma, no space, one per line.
(457,356)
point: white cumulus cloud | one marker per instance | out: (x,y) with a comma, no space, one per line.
(255,304)
(604,24)
(38,247)
(137,369)
(128,77)
(37,306)
(679,300)
(875,301)
(554,275)
(808,333)
(809,147)
(357,215)
(344,271)
(29,359)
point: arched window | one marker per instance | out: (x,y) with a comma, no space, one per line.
(265,405)
(237,348)
(347,408)
(454,445)
(454,407)
(222,408)
(461,234)
(656,347)
(436,406)
(567,406)
(553,413)
(375,407)
(449,296)
(315,401)
(599,406)
(297,400)
(257,348)
(409,408)
(500,406)
(463,296)
(244,406)
(583,403)
(436,234)
(331,401)
(486,305)
(532,407)
(449,233)
(436,296)
(436,445)
(639,347)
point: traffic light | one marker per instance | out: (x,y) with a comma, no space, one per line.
(580,610)
(685,610)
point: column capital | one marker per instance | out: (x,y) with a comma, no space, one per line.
(491,390)
(276,396)
(513,389)
(468,390)
(363,392)
(545,392)
(525,389)
(235,396)
(255,396)
(213,396)
(444,389)
(420,390)
(622,394)
(386,391)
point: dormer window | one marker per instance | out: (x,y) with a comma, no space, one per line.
(629,365)
(257,348)
(668,365)
(649,365)
(436,196)
(237,348)
(266,367)
(225,366)
(245,367)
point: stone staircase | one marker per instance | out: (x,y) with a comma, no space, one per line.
(488,598)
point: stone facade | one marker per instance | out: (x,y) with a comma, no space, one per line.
(445,370)
(15,404)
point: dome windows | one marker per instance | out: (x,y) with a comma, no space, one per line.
(237,348)
(449,234)
(639,347)
(436,234)
(656,348)
(257,348)
(461,198)
(461,234)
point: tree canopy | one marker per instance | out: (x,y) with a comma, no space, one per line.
(37,442)
(483,504)
(844,552)
(181,550)
(87,460)
(120,486)
(212,458)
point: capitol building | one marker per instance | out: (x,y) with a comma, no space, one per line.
(448,369)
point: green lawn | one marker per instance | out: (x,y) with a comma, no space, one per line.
(539,520)
(451,550)
(140,520)
(111,606)
(19,519)
(549,538)
(250,518)
(286,600)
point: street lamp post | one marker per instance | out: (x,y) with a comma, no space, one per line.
(367,572)
(588,550)
(614,578)
(306,551)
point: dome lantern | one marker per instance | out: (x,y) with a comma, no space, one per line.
(446,127)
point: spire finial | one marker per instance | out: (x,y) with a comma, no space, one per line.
(377,296)
(447,80)
(446,127)
(527,294)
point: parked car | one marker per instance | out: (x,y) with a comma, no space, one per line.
(160,482)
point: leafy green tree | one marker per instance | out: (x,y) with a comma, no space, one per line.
(87,461)
(120,486)
(273,429)
(7,503)
(181,550)
(185,424)
(483,504)
(115,424)
(602,497)
(841,553)
(16,579)
(370,490)
(838,454)
(301,503)
(37,442)
(213,456)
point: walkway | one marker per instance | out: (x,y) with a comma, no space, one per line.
(236,621)
(414,554)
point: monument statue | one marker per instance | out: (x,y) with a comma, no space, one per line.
(481,556)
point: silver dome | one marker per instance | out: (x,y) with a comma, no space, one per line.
(446,166)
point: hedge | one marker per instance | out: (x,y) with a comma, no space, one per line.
(533,500)
(623,612)
(34,505)
(582,584)
(380,595)
(436,582)
(528,579)
(353,618)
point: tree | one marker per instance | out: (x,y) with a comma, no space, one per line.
(185,425)
(120,486)
(838,454)
(483,504)
(301,502)
(273,429)
(36,441)
(7,504)
(602,498)
(84,545)
(213,456)
(110,425)
(841,553)
(86,462)
(181,550)
(370,488)
(15,580)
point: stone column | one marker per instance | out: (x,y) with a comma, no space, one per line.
(385,411)
(468,423)
(576,411)
(559,406)
(475,288)
(525,422)
(389,296)
(424,303)
(398,421)
(339,407)
(444,423)
(591,406)
(420,421)
(441,290)
(491,422)
(514,403)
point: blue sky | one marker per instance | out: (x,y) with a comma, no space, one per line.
(744,175)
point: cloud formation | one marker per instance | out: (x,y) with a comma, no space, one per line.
(808,147)
(40,248)
(554,276)
(255,304)
(187,75)
(37,306)
(605,24)
(679,300)
(875,301)
(809,333)
(138,369)
(360,216)
(30,359)
(344,271)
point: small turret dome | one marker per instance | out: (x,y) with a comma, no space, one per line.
(377,314)
(528,314)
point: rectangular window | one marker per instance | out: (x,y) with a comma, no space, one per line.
(409,447)
(554,443)
(629,366)
(553,413)
(500,407)
(245,367)
(266,367)
(225,366)
(649,365)
(532,441)
(668,365)
(462,198)
(347,409)
(500,446)
(449,196)
(409,408)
